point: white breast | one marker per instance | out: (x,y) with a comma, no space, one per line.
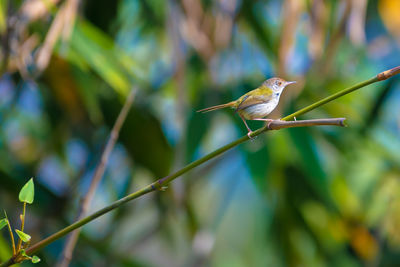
(260,110)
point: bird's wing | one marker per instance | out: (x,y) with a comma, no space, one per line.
(251,100)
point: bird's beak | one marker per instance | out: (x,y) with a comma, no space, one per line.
(287,83)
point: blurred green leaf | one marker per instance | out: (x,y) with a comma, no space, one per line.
(3,15)
(256,153)
(5,249)
(257,158)
(98,50)
(27,192)
(196,129)
(141,135)
(88,90)
(24,237)
(3,223)
(309,160)
(262,31)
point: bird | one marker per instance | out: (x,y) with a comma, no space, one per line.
(256,104)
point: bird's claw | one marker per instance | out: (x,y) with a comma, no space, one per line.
(269,125)
(249,135)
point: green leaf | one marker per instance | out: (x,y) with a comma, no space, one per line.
(24,237)
(3,223)
(27,192)
(35,259)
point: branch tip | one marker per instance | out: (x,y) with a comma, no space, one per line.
(388,73)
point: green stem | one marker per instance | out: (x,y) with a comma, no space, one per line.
(11,234)
(164,181)
(22,227)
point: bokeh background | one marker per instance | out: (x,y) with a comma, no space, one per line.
(321,196)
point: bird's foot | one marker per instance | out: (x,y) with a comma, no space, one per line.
(249,135)
(269,124)
(294,118)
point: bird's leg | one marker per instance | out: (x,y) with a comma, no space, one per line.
(248,128)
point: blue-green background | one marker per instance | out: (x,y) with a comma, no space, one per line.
(321,196)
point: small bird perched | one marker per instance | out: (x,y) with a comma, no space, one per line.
(258,103)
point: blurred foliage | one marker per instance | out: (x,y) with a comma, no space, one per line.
(301,197)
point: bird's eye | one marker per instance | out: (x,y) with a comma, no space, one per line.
(278,83)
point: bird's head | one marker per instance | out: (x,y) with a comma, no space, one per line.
(277,84)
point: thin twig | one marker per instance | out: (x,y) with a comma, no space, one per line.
(11,234)
(164,181)
(63,24)
(279,124)
(45,52)
(291,11)
(73,238)
(70,17)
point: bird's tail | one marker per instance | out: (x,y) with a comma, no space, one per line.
(227,105)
